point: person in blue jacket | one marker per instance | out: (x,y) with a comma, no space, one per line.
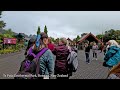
(112,56)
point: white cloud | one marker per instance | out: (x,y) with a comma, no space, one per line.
(62,23)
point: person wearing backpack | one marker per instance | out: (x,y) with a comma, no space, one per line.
(31,42)
(72,62)
(43,64)
(61,63)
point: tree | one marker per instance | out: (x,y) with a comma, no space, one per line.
(20,37)
(78,38)
(45,29)
(1,37)
(74,39)
(38,32)
(117,34)
(0,13)
(52,39)
(110,34)
(2,24)
(8,33)
(83,34)
(100,36)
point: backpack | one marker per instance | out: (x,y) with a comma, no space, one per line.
(72,62)
(30,66)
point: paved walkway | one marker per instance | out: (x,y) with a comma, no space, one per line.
(9,65)
(94,70)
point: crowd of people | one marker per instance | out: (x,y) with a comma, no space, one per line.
(57,60)
(111,57)
(61,60)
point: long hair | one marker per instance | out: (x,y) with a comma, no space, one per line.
(49,40)
(42,45)
(31,42)
(63,40)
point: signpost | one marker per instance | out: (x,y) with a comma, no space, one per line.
(9,41)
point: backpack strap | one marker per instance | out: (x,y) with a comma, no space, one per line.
(30,52)
(37,59)
(41,52)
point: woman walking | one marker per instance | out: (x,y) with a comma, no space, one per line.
(95,49)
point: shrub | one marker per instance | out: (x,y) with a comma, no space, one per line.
(118,41)
(11,48)
(5,51)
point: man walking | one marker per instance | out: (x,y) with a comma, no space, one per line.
(87,52)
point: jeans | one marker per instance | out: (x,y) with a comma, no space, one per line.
(95,55)
(87,57)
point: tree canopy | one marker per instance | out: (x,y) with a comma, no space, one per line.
(45,29)
(38,31)
(2,24)
(110,34)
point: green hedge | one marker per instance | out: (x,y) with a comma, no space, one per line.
(118,41)
(11,49)
(5,51)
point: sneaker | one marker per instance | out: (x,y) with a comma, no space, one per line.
(88,63)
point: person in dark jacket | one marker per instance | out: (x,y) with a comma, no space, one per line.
(101,47)
(87,52)
(31,42)
(61,64)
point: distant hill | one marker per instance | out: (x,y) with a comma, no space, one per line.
(3,31)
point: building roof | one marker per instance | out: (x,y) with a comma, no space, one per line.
(69,39)
(86,36)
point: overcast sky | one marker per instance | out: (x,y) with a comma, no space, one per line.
(62,23)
